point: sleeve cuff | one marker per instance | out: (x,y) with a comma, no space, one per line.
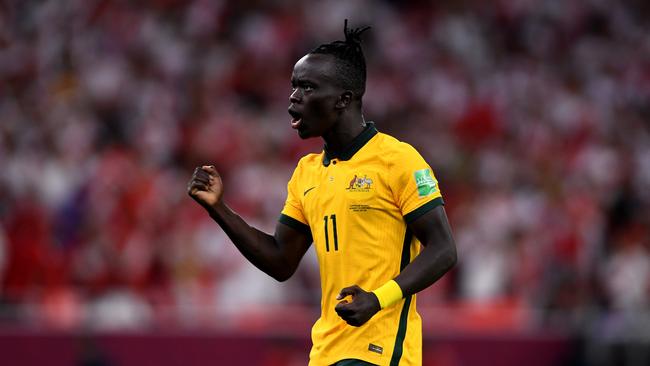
(411,216)
(295,224)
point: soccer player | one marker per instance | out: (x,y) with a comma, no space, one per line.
(367,202)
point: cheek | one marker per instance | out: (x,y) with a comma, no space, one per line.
(322,106)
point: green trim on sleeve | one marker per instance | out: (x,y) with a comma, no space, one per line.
(295,224)
(411,216)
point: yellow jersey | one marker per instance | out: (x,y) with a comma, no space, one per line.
(356,206)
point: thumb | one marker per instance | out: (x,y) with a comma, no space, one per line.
(352,290)
(210,169)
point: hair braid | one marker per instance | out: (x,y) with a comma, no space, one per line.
(352,66)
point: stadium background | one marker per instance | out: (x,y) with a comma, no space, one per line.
(534,114)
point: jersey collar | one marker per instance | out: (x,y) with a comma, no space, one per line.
(354,146)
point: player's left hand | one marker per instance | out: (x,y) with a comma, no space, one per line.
(360,309)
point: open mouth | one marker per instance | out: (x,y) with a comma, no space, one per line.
(296,118)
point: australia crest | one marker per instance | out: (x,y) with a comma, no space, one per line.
(360,184)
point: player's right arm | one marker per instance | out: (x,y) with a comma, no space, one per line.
(277,255)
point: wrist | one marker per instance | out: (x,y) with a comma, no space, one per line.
(388,294)
(217,209)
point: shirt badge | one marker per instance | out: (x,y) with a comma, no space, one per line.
(359,184)
(425,182)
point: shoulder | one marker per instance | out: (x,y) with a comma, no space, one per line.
(309,162)
(395,150)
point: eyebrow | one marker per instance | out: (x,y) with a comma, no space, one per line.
(303,81)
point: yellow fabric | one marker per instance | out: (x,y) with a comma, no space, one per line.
(355,211)
(388,294)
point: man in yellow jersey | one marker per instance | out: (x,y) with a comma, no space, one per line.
(367,202)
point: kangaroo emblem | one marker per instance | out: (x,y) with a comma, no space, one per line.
(354,180)
(359,183)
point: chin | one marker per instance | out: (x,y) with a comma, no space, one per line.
(304,134)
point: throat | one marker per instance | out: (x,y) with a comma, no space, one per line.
(337,142)
(336,145)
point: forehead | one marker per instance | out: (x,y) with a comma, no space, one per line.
(315,67)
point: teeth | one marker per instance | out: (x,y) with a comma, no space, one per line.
(296,118)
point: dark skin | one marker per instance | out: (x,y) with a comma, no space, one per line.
(322,108)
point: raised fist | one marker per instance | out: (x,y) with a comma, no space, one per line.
(205,187)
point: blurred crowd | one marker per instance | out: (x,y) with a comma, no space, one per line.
(535,116)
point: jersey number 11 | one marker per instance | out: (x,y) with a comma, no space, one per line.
(336,239)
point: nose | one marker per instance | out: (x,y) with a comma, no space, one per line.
(295,96)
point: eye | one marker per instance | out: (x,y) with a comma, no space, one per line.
(308,88)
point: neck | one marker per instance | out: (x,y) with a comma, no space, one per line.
(343,132)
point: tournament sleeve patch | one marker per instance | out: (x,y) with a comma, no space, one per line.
(425,182)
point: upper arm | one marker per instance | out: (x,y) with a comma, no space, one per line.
(433,227)
(438,257)
(419,198)
(292,243)
(292,232)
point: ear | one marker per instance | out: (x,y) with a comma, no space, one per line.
(344,100)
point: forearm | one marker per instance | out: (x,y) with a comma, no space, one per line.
(427,268)
(259,248)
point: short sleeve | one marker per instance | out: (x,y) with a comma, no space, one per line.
(292,213)
(413,183)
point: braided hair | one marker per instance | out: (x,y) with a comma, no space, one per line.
(351,64)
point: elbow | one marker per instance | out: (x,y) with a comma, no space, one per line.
(282,274)
(451,257)
(280,277)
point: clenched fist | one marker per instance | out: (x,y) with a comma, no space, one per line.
(364,305)
(205,187)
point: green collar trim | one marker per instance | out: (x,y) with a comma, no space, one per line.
(368,133)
